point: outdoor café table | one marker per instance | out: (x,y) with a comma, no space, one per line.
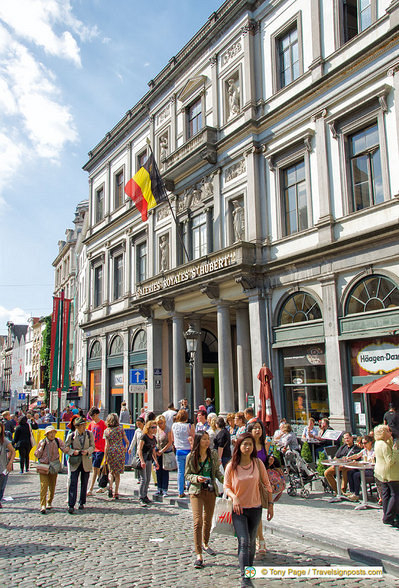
(362,466)
(337,463)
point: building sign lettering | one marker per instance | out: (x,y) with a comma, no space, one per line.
(190,273)
(378,358)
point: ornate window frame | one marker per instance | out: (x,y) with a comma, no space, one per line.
(275,39)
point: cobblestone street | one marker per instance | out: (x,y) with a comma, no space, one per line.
(120,544)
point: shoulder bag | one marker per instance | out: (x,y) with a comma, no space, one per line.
(136,463)
(169,462)
(264,500)
(55,465)
(277,480)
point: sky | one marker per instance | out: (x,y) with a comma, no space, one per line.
(69,71)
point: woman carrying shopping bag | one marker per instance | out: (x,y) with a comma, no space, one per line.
(245,481)
(48,467)
(202,469)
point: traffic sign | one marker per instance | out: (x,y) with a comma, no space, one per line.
(137,377)
(137,388)
(38,403)
(21,396)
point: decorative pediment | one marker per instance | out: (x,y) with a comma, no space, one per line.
(193,85)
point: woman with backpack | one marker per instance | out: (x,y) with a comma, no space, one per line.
(48,454)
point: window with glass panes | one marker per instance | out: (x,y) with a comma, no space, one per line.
(194,118)
(118,276)
(199,236)
(288,50)
(357,15)
(294,198)
(141,262)
(141,159)
(365,167)
(98,285)
(118,200)
(99,207)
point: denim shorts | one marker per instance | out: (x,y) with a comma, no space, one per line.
(96,458)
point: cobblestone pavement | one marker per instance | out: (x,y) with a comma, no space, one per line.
(120,544)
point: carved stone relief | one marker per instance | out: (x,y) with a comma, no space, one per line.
(163,213)
(230,53)
(238,216)
(164,253)
(235,170)
(196,195)
(233,97)
(163,115)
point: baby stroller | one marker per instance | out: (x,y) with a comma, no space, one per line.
(299,474)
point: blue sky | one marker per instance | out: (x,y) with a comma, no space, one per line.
(69,70)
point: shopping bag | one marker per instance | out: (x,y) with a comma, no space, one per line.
(103,476)
(222,522)
(169,462)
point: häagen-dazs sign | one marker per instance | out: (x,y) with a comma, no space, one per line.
(186,274)
(379,358)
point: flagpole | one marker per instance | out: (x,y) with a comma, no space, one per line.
(59,388)
(178,228)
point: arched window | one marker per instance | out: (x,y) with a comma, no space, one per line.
(298,308)
(95,350)
(140,341)
(372,293)
(116,346)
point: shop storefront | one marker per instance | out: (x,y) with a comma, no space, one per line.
(94,368)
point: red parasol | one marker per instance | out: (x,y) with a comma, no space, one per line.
(267,412)
(388,382)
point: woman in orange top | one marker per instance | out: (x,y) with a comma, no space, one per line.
(241,483)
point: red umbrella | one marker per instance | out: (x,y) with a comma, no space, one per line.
(389,382)
(267,412)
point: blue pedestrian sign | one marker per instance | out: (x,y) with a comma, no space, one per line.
(137,377)
(21,396)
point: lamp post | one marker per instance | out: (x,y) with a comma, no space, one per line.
(192,336)
(28,387)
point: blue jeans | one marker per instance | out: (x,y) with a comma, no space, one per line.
(3,484)
(181,456)
(246,526)
(162,475)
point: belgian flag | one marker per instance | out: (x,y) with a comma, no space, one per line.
(146,187)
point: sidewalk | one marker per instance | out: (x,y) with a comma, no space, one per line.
(359,535)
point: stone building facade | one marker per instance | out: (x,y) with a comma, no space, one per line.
(276,132)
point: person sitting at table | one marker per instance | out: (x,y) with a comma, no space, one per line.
(288,440)
(324,426)
(354,478)
(309,432)
(348,449)
(278,432)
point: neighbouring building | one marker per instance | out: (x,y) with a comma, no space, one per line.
(276,132)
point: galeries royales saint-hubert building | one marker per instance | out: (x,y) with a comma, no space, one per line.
(276,133)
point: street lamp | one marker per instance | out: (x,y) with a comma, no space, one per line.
(192,336)
(28,386)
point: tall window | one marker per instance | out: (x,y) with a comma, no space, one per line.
(199,236)
(295,198)
(194,118)
(365,163)
(118,276)
(98,285)
(288,52)
(99,205)
(357,16)
(141,262)
(141,159)
(118,200)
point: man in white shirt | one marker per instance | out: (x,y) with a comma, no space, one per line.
(170,415)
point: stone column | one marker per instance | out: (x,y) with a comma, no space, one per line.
(126,395)
(325,220)
(179,359)
(106,292)
(338,400)
(248,83)
(257,326)
(198,363)
(316,66)
(244,379)
(214,77)
(154,365)
(104,374)
(128,267)
(225,360)
(217,212)
(253,220)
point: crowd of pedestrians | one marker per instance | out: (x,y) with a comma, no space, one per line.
(213,455)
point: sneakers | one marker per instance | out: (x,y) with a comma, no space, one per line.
(164,493)
(81,506)
(147,500)
(143,502)
(42,510)
(198,564)
(352,497)
(71,510)
(208,550)
(49,506)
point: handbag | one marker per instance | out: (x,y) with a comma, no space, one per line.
(43,468)
(136,463)
(169,462)
(277,480)
(54,466)
(103,477)
(222,520)
(264,494)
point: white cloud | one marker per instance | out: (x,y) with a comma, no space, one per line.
(15,315)
(36,21)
